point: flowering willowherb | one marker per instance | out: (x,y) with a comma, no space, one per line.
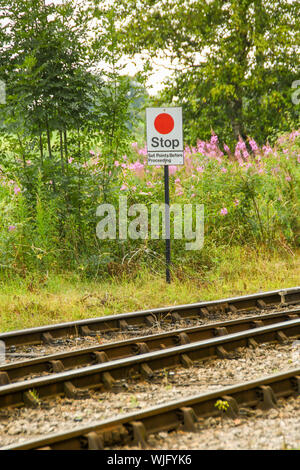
(223,211)
(172,169)
(253,145)
(17,189)
(226,148)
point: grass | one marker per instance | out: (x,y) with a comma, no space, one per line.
(41,300)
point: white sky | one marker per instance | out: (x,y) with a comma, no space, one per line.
(162,69)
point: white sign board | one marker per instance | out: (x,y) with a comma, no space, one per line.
(164,136)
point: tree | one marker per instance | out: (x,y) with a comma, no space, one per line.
(44,63)
(237,59)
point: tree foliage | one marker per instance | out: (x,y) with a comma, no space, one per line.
(237,60)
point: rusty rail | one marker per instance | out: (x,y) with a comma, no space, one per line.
(112,351)
(134,428)
(75,384)
(141,319)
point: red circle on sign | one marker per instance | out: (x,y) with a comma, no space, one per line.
(164,123)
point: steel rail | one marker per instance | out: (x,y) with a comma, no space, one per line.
(135,428)
(59,362)
(151,317)
(75,384)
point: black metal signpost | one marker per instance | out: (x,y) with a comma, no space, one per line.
(165,147)
(167,223)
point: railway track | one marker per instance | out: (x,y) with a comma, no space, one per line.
(75,384)
(150,318)
(135,428)
(113,351)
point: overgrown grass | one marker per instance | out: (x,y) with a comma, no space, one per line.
(41,300)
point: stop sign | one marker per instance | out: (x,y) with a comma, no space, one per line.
(164,136)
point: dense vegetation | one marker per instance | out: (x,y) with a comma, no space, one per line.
(68,129)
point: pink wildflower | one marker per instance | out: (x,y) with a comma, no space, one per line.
(123,187)
(11,228)
(172,169)
(224,211)
(70,160)
(253,145)
(17,189)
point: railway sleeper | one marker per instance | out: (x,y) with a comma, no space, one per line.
(295,381)
(141,348)
(257,324)
(139,434)
(100,357)
(4,378)
(75,393)
(281,337)
(261,304)
(233,308)
(123,325)
(221,352)
(146,371)
(92,441)
(85,331)
(108,380)
(98,440)
(252,343)
(232,410)
(56,366)
(150,320)
(47,338)
(204,312)
(267,398)
(31,400)
(186,361)
(176,317)
(220,331)
(188,418)
(181,339)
